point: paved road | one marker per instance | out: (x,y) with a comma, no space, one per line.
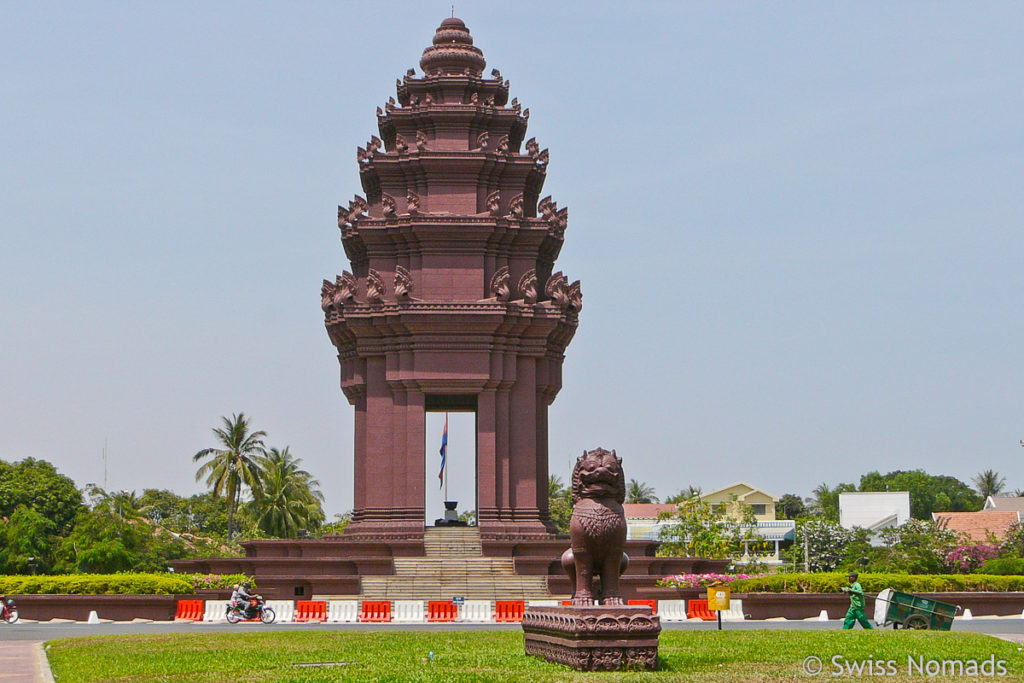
(49,631)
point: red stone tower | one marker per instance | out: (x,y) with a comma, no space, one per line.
(452,302)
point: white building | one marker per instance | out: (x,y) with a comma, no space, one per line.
(874,510)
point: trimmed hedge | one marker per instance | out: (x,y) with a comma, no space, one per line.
(872,583)
(118,584)
(1003,566)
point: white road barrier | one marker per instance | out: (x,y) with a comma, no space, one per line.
(343,611)
(214,610)
(735,611)
(284,610)
(672,610)
(408,611)
(543,603)
(476,611)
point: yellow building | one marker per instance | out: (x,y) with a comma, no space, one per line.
(761,502)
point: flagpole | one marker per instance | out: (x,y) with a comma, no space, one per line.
(446,464)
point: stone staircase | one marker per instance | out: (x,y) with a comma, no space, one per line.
(453,565)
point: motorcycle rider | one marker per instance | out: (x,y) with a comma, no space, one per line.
(240,597)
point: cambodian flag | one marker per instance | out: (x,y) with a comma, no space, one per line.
(444,448)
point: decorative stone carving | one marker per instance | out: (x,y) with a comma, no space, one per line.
(597,528)
(575,297)
(373,145)
(390,105)
(403,282)
(596,638)
(495,74)
(410,72)
(374,287)
(526,113)
(474,98)
(532,148)
(481,140)
(389,204)
(559,221)
(515,207)
(327,296)
(557,289)
(400,144)
(502,145)
(380,112)
(428,100)
(344,290)
(500,284)
(493,200)
(528,286)
(547,207)
(542,159)
(347,218)
(413,203)
(421,140)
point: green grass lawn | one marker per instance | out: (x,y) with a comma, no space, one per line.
(252,655)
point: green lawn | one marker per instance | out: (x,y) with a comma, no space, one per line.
(253,655)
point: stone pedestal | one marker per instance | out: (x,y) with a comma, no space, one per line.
(595,638)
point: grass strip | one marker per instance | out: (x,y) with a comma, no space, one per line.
(471,656)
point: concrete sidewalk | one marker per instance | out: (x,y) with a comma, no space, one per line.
(24,661)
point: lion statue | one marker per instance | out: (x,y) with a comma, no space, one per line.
(597,529)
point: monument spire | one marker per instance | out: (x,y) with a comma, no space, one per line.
(451,302)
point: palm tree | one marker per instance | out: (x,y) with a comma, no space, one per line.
(289,498)
(686,494)
(989,483)
(640,492)
(234,465)
(555,487)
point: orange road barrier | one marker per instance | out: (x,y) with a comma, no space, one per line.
(508,610)
(310,610)
(653,604)
(375,611)
(441,610)
(698,609)
(190,610)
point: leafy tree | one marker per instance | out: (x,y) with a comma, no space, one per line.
(288,499)
(684,494)
(699,529)
(559,504)
(233,466)
(640,492)
(341,521)
(826,544)
(28,538)
(989,483)
(825,503)
(790,506)
(37,485)
(103,541)
(928,493)
(917,547)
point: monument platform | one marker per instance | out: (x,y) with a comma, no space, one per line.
(596,638)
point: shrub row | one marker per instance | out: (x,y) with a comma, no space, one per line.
(872,583)
(117,584)
(1003,566)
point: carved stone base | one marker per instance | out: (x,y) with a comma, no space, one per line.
(594,638)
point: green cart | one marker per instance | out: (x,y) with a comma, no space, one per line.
(913,611)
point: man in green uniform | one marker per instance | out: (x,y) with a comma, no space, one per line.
(856,611)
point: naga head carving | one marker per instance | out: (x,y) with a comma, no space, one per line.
(598,474)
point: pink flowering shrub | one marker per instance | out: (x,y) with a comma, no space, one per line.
(703,580)
(965,558)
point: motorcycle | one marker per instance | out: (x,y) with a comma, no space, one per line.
(255,609)
(8,610)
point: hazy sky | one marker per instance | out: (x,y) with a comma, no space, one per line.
(798,227)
